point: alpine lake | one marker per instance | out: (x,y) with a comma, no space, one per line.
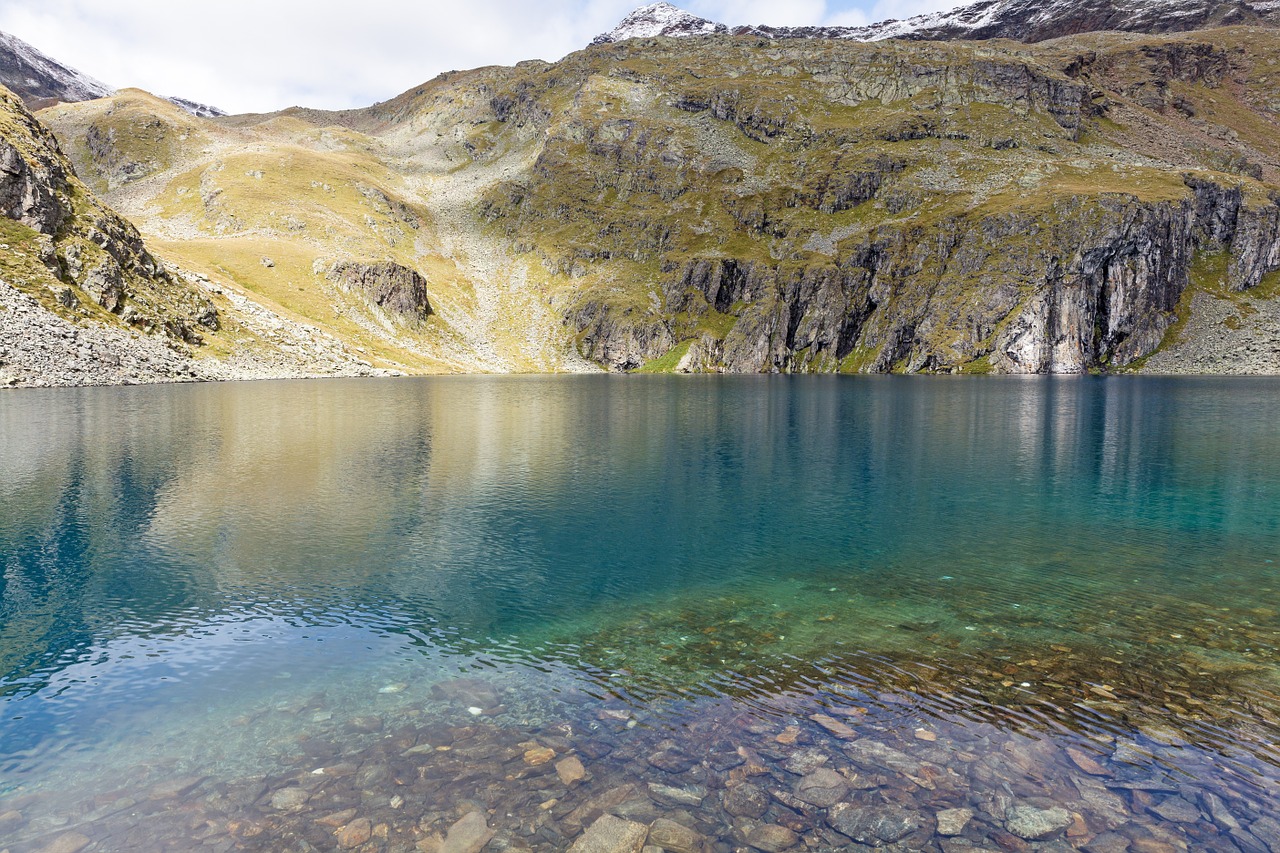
(598,613)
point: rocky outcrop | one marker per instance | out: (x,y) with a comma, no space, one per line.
(398,291)
(82,243)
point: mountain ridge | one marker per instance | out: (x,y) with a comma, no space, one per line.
(734,203)
(1021,20)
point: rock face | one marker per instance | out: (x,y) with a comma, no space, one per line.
(82,242)
(397,290)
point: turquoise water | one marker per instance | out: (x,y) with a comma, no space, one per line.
(238,586)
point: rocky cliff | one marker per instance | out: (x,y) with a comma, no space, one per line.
(98,256)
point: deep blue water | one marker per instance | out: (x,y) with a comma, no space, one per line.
(173,559)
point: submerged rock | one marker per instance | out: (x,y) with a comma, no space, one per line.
(469,835)
(874,825)
(771,838)
(953,821)
(673,837)
(822,788)
(611,834)
(1036,824)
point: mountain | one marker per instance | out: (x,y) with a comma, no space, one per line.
(1020,20)
(40,81)
(1097,202)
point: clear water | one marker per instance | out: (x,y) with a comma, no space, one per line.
(210,594)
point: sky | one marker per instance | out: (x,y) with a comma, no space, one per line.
(265,55)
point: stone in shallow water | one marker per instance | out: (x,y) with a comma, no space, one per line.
(1034,824)
(834,726)
(1177,810)
(289,799)
(71,842)
(538,756)
(171,788)
(570,770)
(679,796)
(822,788)
(673,837)
(772,838)
(611,834)
(468,835)
(746,800)
(355,833)
(1086,763)
(1266,830)
(953,821)
(874,825)
(670,761)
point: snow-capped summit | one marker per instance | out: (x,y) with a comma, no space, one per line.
(1021,20)
(660,19)
(197,109)
(39,80)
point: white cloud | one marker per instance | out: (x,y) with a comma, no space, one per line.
(262,55)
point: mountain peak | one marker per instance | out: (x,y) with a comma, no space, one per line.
(660,19)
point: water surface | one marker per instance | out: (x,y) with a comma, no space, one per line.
(1012,596)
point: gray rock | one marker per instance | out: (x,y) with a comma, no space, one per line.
(874,756)
(874,825)
(692,796)
(1177,810)
(772,838)
(953,821)
(290,799)
(397,290)
(468,835)
(674,837)
(822,788)
(1035,824)
(1267,830)
(1108,842)
(611,834)
(745,800)
(1218,810)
